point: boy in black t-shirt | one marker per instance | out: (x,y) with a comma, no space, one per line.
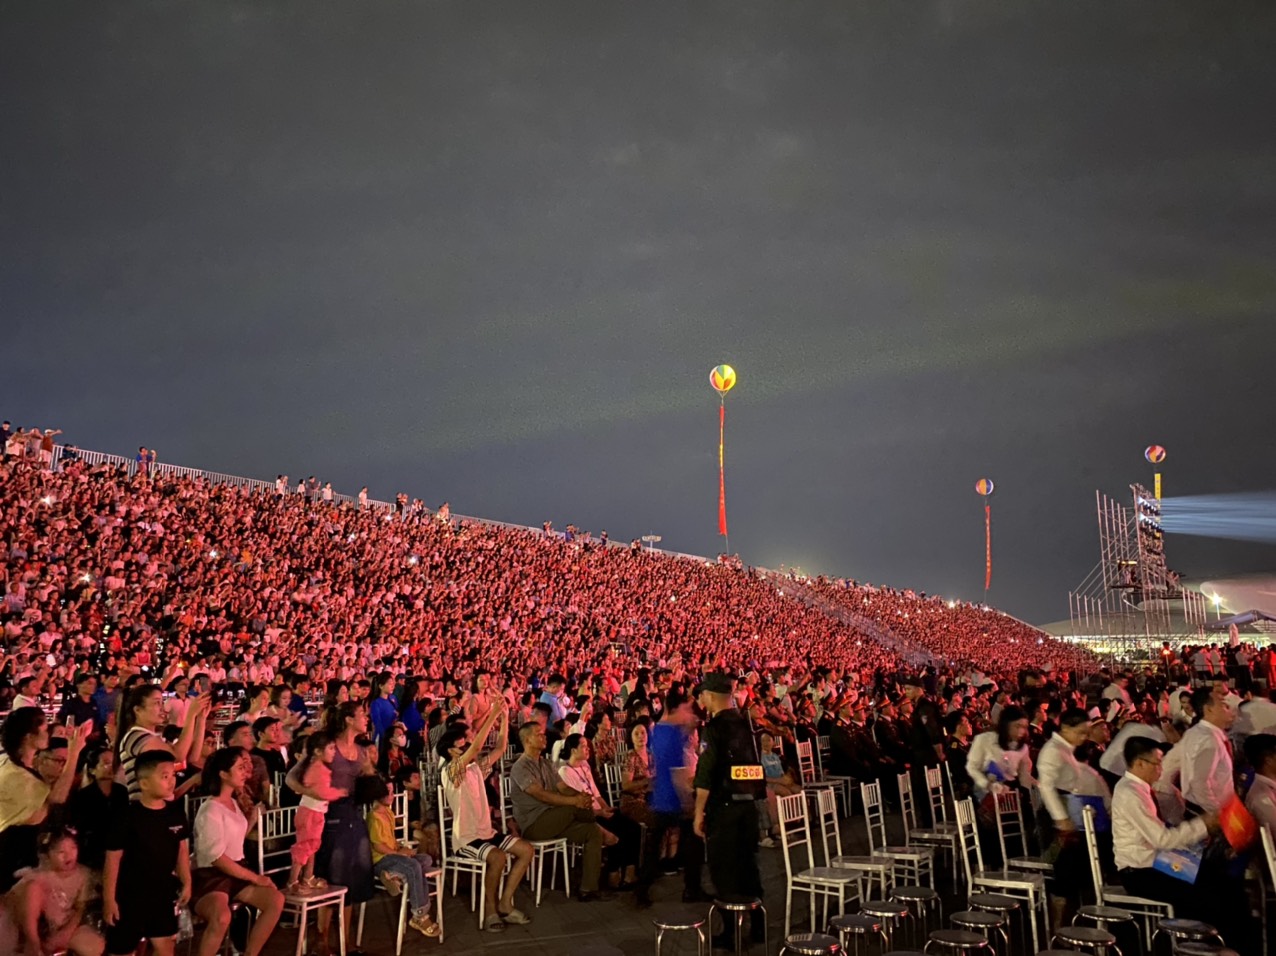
(148,867)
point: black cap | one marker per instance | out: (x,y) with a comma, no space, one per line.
(718,683)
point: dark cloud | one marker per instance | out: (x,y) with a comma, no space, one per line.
(488,253)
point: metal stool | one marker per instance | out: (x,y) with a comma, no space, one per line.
(889,913)
(1183,931)
(811,944)
(998,903)
(684,921)
(1094,938)
(738,909)
(957,941)
(1106,916)
(981,921)
(920,900)
(856,926)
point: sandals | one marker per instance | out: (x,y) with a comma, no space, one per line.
(515,916)
(425,926)
(493,923)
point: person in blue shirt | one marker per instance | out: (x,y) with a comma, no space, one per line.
(671,799)
(297,704)
(410,714)
(552,695)
(107,696)
(383,712)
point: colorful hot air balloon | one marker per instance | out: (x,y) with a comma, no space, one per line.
(722,378)
(1155,454)
(984,487)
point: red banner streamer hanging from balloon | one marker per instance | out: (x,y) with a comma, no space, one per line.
(722,474)
(722,378)
(987,546)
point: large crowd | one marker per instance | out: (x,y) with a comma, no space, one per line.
(164,636)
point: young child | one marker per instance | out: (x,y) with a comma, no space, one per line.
(390,857)
(147,877)
(43,912)
(316,774)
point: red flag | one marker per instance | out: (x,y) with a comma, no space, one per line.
(722,476)
(987,546)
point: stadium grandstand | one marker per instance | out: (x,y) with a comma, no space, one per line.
(224,622)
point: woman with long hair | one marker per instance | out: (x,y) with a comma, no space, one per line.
(220,875)
(345,852)
(1000,758)
(140,727)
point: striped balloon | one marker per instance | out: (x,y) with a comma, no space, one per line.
(984,486)
(1155,454)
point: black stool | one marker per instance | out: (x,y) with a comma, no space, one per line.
(738,909)
(811,944)
(1093,938)
(857,926)
(957,941)
(683,921)
(889,913)
(999,903)
(981,921)
(920,900)
(1183,931)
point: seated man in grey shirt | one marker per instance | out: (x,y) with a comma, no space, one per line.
(545,808)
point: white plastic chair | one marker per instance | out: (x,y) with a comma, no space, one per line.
(557,850)
(1010,827)
(458,863)
(941,837)
(911,864)
(1148,911)
(811,778)
(1029,887)
(432,877)
(826,882)
(870,868)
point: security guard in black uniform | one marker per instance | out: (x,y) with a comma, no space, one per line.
(729,782)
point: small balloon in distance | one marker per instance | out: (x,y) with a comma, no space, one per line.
(722,378)
(984,486)
(1155,454)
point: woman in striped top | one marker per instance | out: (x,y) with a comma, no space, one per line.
(140,728)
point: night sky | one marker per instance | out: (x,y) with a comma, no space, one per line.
(488,252)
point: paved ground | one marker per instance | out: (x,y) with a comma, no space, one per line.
(562,927)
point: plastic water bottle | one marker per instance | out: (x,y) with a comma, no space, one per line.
(185,926)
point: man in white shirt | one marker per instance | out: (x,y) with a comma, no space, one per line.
(26,696)
(1117,690)
(1208,782)
(1139,834)
(1061,775)
(1113,759)
(1260,750)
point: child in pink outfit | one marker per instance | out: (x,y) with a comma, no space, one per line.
(316,775)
